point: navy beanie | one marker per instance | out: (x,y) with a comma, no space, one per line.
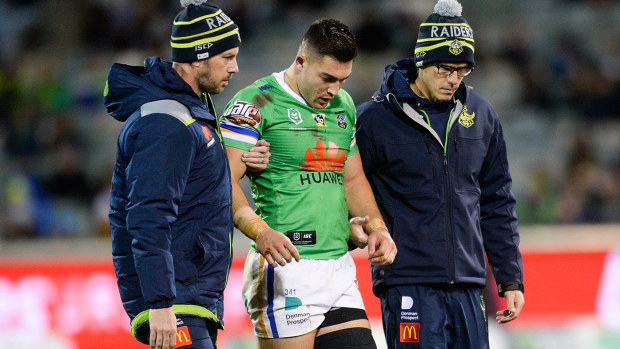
(202,30)
(445,36)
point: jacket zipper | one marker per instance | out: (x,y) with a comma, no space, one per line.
(456,163)
(449,220)
(450,236)
(452,263)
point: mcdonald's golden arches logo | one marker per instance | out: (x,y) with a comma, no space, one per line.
(409,332)
(183,337)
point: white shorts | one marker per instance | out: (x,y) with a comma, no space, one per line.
(291,300)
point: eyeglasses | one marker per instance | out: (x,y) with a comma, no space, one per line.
(446,70)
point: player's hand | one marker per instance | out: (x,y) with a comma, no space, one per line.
(357,235)
(257,158)
(276,247)
(381,247)
(514,304)
(163,325)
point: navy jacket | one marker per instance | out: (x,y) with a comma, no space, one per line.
(447,208)
(171,198)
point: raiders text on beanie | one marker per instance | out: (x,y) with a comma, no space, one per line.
(201,30)
(445,36)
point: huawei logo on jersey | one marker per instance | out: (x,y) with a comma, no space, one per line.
(324,158)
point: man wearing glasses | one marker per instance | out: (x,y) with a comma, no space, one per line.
(434,154)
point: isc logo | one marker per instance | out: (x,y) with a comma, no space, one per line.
(203,46)
(409,332)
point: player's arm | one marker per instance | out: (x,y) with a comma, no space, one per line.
(270,243)
(361,203)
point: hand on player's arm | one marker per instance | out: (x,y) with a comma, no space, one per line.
(357,235)
(257,158)
(514,305)
(361,202)
(274,246)
(381,247)
(163,326)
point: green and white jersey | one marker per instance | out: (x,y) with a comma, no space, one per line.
(301,193)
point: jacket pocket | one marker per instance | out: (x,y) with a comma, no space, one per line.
(202,238)
(406,169)
(214,228)
(184,269)
(469,156)
(470,256)
(183,250)
(431,163)
(421,242)
(215,245)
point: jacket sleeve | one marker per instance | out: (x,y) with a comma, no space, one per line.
(498,215)
(156,178)
(362,136)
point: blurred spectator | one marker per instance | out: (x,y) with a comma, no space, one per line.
(588,189)
(307,5)
(536,205)
(21,141)
(27,207)
(373,34)
(517,52)
(100,209)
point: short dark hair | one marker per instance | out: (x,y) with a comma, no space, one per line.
(330,37)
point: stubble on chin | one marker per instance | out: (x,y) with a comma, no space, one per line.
(210,87)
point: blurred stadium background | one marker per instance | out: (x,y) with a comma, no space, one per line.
(550,67)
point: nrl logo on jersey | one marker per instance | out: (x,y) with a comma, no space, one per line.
(341,117)
(456,47)
(466,119)
(295,116)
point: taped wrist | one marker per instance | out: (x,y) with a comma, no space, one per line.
(374,225)
(249,223)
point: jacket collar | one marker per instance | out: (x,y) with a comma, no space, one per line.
(128,87)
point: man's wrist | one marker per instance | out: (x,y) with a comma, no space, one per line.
(249,223)
(375,224)
(509,286)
